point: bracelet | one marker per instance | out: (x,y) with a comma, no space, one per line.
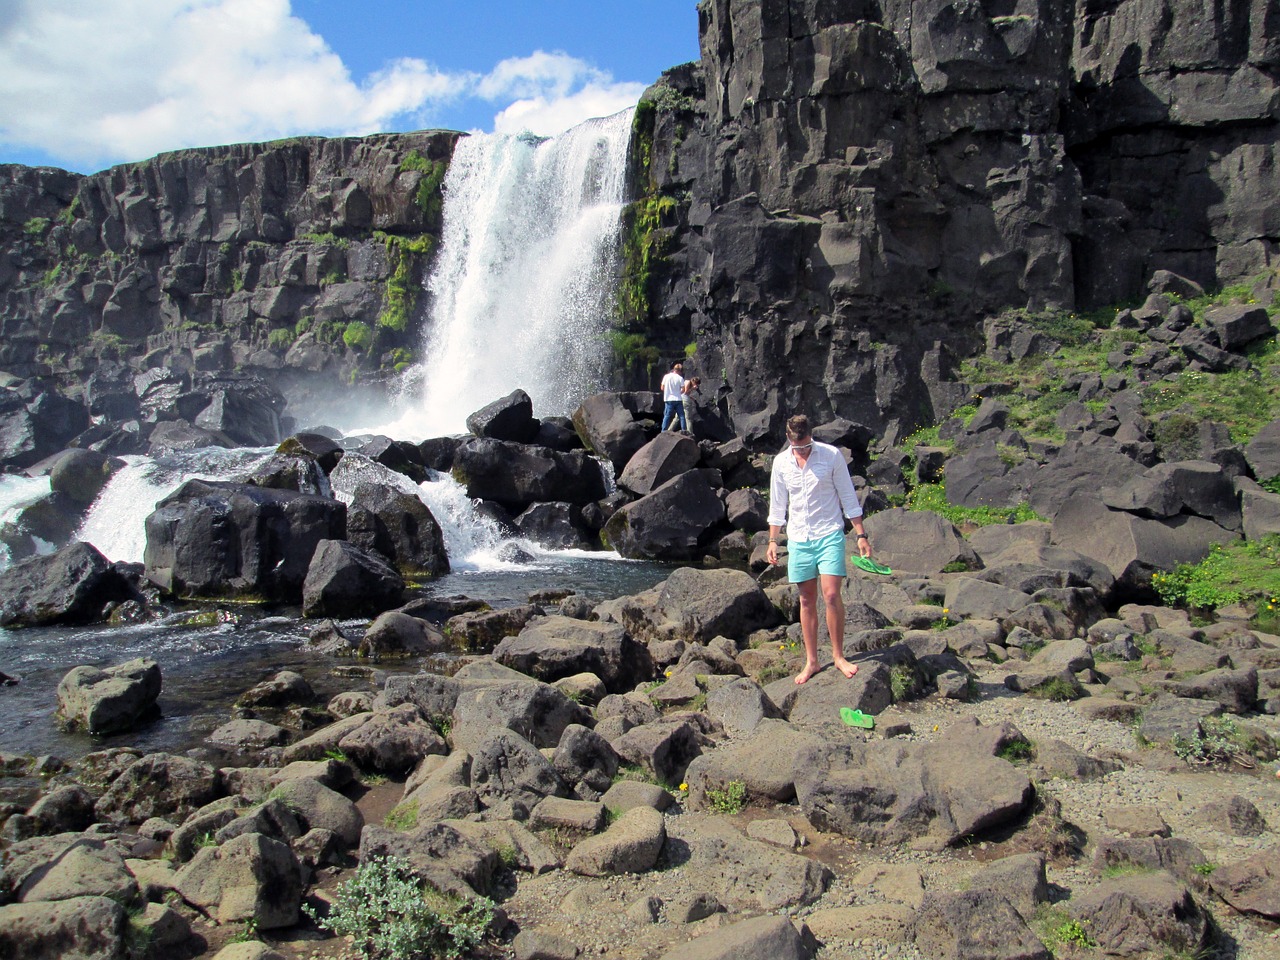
(862,536)
(773,541)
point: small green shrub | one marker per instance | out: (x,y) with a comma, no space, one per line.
(389,914)
(731,799)
(1221,740)
(37,226)
(902,681)
(333,753)
(630,771)
(303,325)
(442,722)
(281,339)
(358,335)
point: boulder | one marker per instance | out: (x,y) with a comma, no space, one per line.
(917,541)
(110,700)
(537,711)
(890,792)
(1263,452)
(630,845)
(248,879)
(584,759)
(510,418)
(975,923)
(675,522)
(760,938)
(74,585)
(83,928)
(766,764)
(1143,914)
(393,741)
(1132,547)
(664,748)
(159,785)
(743,874)
(663,458)
(285,689)
(747,510)
(556,526)
(552,648)
(508,773)
(480,631)
(609,430)
(443,854)
(65,866)
(344,581)
(1238,325)
(1167,489)
(216,538)
(514,475)
(321,808)
(397,526)
(1251,885)
(396,634)
(80,475)
(314,446)
(698,605)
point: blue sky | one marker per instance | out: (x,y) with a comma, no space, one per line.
(85,84)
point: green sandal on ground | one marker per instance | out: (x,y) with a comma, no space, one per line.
(856,718)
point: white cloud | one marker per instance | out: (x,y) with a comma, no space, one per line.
(95,81)
(554,92)
(104,81)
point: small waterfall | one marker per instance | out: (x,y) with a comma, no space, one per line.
(16,494)
(522,291)
(115,523)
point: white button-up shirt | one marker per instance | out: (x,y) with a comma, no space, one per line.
(812,500)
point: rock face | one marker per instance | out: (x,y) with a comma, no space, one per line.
(880,175)
(255,257)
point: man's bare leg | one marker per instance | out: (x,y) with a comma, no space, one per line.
(835,622)
(809,628)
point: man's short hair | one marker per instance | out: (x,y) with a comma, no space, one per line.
(675,364)
(798,428)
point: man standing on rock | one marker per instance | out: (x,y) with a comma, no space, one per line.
(673,397)
(811,491)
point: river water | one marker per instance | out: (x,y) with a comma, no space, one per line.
(206,667)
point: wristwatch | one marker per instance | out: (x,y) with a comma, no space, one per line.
(862,536)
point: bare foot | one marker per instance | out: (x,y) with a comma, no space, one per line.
(845,667)
(809,670)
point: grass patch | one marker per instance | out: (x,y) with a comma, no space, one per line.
(402,817)
(1057,689)
(1246,571)
(902,682)
(933,496)
(1057,929)
(1221,740)
(630,771)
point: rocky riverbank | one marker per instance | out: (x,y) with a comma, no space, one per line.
(630,785)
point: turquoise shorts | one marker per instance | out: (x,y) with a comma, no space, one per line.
(806,559)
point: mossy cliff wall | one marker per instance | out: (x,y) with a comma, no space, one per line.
(302,258)
(853,186)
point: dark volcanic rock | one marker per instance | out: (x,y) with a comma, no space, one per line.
(213,538)
(675,522)
(345,581)
(515,475)
(510,418)
(399,526)
(73,585)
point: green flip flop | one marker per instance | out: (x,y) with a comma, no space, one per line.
(856,718)
(869,565)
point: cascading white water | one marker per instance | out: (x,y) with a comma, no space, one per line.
(115,523)
(522,290)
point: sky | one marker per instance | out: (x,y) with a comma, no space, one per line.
(85,84)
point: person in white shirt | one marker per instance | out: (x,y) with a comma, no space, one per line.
(810,490)
(673,397)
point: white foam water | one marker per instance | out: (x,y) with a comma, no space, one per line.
(16,494)
(116,521)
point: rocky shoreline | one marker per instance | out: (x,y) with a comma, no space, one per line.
(1056,767)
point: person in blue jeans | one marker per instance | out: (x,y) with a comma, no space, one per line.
(673,397)
(810,490)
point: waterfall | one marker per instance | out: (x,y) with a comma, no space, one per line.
(522,290)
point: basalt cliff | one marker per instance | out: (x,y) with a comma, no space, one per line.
(828,208)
